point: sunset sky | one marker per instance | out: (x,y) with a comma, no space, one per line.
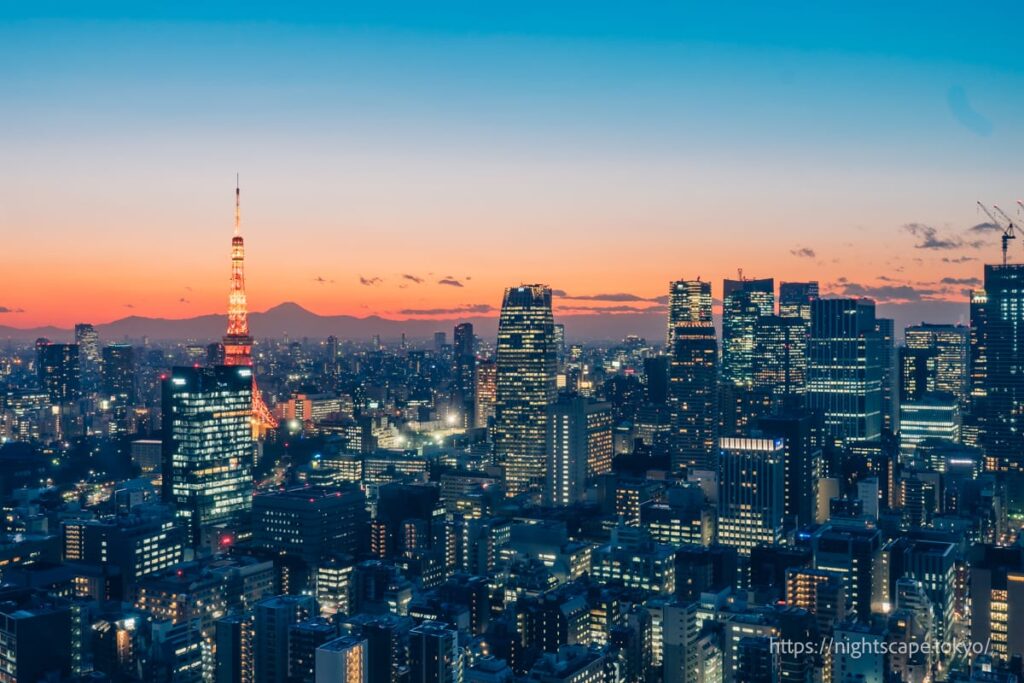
(407,159)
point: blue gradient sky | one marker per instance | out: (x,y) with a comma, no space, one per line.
(599,148)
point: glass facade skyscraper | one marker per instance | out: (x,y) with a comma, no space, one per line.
(744,303)
(208,447)
(844,368)
(689,303)
(526,376)
(999,321)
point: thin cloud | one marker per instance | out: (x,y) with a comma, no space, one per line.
(183,300)
(985,227)
(369,281)
(449,281)
(967,281)
(413,278)
(928,237)
(803,252)
(616,309)
(886,293)
(614,297)
(958,259)
(476,309)
(6,309)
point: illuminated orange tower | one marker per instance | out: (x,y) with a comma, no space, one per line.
(238,341)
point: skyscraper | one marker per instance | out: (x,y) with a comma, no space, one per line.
(485,392)
(751,492)
(999,323)
(844,368)
(689,303)
(693,397)
(886,328)
(118,378)
(58,370)
(464,374)
(88,341)
(526,368)
(744,303)
(579,447)
(208,447)
(795,299)
(950,347)
(780,357)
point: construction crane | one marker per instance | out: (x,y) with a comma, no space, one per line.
(1008,233)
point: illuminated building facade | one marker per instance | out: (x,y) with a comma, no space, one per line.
(342,660)
(485,393)
(744,303)
(579,447)
(950,347)
(751,495)
(689,304)
(208,447)
(844,368)
(526,368)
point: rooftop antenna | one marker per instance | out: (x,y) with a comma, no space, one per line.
(238,209)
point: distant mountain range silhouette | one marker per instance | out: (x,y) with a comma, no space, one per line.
(292,320)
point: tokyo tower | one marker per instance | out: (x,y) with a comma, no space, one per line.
(238,341)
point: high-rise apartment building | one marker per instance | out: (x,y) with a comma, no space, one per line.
(689,304)
(464,374)
(58,370)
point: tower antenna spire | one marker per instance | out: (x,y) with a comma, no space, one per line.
(238,207)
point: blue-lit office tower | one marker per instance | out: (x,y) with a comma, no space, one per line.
(999,323)
(693,377)
(464,375)
(208,448)
(744,303)
(526,369)
(844,368)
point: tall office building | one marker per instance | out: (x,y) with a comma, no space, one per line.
(744,303)
(526,368)
(208,447)
(886,328)
(802,436)
(780,357)
(310,522)
(949,345)
(579,447)
(434,654)
(844,368)
(689,304)
(118,375)
(693,397)
(751,492)
(795,299)
(932,415)
(464,374)
(88,341)
(58,370)
(999,323)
